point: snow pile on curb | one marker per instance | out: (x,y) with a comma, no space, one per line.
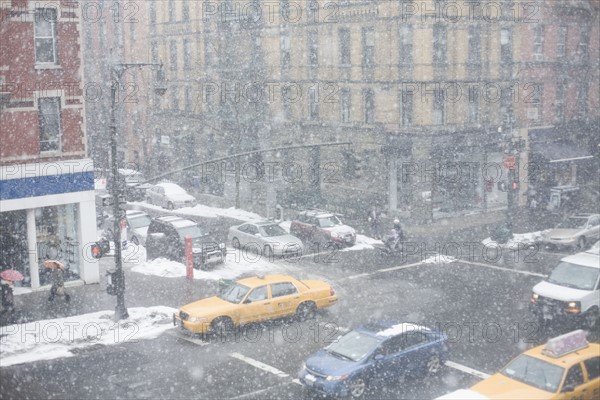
(439,259)
(518,239)
(363,243)
(65,337)
(201,210)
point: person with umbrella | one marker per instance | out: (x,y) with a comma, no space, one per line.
(57,270)
(7,278)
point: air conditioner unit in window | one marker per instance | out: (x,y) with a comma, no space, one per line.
(532,113)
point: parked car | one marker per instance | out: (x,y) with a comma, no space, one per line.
(169,195)
(137,226)
(572,292)
(576,231)
(130,184)
(266,237)
(255,299)
(317,226)
(374,354)
(166,238)
(566,367)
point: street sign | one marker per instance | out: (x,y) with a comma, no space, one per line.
(509,161)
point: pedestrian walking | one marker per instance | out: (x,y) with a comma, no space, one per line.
(374,219)
(57,270)
(8,298)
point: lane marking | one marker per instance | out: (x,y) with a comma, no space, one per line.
(503,269)
(379,271)
(178,335)
(467,370)
(261,391)
(259,365)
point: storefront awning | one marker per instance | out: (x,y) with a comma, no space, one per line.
(562,151)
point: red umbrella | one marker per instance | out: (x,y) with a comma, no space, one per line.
(53,264)
(11,275)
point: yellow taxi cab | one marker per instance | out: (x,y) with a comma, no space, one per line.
(566,367)
(255,299)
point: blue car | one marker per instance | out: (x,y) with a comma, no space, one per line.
(374,353)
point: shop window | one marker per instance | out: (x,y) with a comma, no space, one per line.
(13,243)
(57,236)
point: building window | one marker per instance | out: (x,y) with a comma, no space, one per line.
(534,100)
(152,12)
(345,52)
(45,36)
(439,45)
(560,100)
(313,49)
(561,42)
(406,108)
(439,112)
(584,41)
(286,57)
(154,51)
(173,55)
(171,10)
(368,56)
(49,119)
(313,103)
(189,99)
(474,105)
(538,43)
(582,98)
(185,10)
(474,57)
(174,98)
(406,46)
(187,54)
(369,106)
(346,105)
(506,46)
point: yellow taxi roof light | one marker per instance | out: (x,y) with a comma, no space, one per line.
(565,344)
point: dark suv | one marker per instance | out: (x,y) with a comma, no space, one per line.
(166,238)
(322,227)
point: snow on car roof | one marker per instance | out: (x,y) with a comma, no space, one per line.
(586,258)
(402,328)
(126,171)
(171,187)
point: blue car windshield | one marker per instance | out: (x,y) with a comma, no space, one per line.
(353,346)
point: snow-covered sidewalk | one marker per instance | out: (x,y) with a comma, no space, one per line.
(65,337)
(519,240)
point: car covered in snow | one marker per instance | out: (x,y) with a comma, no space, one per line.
(265,237)
(166,238)
(255,299)
(566,367)
(572,291)
(317,226)
(576,231)
(374,354)
(169,195)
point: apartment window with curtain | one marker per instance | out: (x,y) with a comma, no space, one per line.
(474,56)
(345,49)
(440,45)
(173,55)
(538,43)
(439,111)
(406,108)
(368,56)
(346,105)
(561,42)
(49,121)
(369,106)
(313,49)
(45,36)
(406,46)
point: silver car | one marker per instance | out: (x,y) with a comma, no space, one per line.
(170,196)
(265,237)
(576,231)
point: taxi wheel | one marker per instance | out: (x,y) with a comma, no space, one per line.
(433,365)
(357,388)
(221,326)
(306,310)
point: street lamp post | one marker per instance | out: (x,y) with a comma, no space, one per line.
(160,89)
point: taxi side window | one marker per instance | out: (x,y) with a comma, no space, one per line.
(574,377)
(282,289)
(592,365)
(258,294)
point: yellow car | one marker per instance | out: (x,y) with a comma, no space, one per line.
(566,367)
(255,299)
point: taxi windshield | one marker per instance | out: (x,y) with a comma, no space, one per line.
(574,276)
(535,372)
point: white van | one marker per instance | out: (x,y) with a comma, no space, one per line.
(571,292)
